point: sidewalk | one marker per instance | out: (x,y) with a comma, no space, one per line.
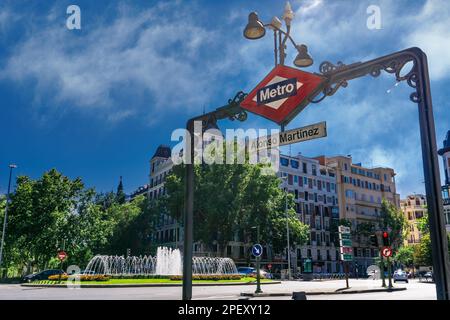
(286,288)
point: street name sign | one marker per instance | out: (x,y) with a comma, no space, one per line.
(344,229)
(313,131)
(283,94)
(257,250)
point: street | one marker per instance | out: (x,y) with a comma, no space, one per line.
(415,291)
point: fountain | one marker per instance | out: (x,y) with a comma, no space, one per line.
(166,262)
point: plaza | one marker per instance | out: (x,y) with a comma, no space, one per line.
(414,290)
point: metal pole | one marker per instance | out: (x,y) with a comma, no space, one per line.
(232,111)
(346,274)
(188,214)
(275,50)
(287,233)
(383,281)
(281,49)
(439,243)
(258,267)
(5,220)
(389,273)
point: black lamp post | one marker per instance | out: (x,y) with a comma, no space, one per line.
(232,111)
(5,220)
(255,29)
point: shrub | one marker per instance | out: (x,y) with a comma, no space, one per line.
(212,277)
(96,277)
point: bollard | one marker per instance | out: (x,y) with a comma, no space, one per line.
(301,295)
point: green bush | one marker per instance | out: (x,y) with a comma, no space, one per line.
(96,277)
(213,277)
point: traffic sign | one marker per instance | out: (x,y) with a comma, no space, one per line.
(257,250)
(62,255)
(346,243)
(344,229)
(283,93)
(386,252)
(346,257)
(347,236)
(313,131)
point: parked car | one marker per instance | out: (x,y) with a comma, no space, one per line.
(245,271)
(263,273)
(400,275)
(43,275)
(429,275)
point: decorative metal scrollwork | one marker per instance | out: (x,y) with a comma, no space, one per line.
(238,98)
(392,65)
(327,67)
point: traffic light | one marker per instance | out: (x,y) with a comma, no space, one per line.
(386,241)
(373,240)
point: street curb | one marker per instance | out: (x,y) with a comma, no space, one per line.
(29,285)
(313,293)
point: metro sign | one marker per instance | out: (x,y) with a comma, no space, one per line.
(283,93)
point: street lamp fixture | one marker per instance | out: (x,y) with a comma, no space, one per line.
(303,59)
(255,29)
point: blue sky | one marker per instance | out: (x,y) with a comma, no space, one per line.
(96,102)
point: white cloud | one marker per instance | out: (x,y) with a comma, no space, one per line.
(138,57)
(430,30)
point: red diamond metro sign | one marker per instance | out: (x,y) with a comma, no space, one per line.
(283,93)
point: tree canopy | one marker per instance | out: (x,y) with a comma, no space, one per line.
(231,199)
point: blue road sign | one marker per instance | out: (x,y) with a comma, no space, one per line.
(257,250)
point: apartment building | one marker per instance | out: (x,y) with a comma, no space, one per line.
(360,191)
(316,203)
(169,230)
(445,153)
(414,208)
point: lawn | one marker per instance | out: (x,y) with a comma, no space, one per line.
(152,281)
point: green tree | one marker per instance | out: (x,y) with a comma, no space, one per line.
(405,256)
(422,251)
(39,215)
(394,220)
(230,200)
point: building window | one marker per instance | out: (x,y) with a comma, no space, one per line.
(290,179)
(305,168)
(284,162)
(294,164)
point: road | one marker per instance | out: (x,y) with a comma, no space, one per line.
(415,290)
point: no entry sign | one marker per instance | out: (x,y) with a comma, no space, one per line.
(283,93)
(62,255)
(386,252)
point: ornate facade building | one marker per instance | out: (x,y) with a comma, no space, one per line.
(445,153)
(414,208)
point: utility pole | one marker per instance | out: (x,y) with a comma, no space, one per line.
(5,220)
(383,283)
(258,267)
(287,233)
(389,273)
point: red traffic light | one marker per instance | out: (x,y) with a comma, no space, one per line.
(385,235)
